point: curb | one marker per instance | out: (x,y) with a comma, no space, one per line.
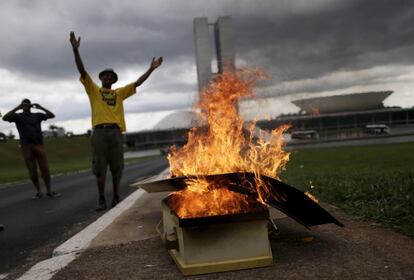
(70,249)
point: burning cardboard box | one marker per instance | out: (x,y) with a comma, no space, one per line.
(223,181)
(205,242)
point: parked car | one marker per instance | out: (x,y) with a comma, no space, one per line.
(305,134)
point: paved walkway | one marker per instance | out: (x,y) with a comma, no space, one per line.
(130,248)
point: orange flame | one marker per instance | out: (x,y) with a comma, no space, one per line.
(203,198)
(311,196)
(222,143)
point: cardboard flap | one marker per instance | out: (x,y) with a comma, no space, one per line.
(289,200)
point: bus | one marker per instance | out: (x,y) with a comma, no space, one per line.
(375,129)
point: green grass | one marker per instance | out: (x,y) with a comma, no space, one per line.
(373,183)
(64,155)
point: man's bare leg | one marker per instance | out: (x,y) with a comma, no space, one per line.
(34,177)
(100,180)
(44,169)
(116,182)
(116,163)
(32,169)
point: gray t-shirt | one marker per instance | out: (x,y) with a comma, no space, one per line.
(28,125)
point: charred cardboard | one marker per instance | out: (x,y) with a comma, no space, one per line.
(285,198)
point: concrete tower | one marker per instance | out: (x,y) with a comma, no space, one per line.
(223,42)
(203,51)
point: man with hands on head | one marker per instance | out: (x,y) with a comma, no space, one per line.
(108,121)
(31,142)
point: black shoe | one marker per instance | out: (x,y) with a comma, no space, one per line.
(37,196)
(101,205)
(115,200)
(53,194)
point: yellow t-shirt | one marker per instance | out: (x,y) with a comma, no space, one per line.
(107,104)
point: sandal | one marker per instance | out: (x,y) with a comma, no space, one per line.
(115,200)
(53,194)
(101,205)
(37,196)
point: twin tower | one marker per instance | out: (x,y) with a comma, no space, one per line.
(223,44)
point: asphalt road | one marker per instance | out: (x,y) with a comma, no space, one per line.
(39,225)
(350,142)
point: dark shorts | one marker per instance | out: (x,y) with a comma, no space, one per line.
(32,154)
(107,149)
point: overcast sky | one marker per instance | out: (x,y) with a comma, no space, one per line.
(308,48)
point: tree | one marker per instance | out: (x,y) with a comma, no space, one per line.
(55,131)
(3,137)
(53,127)
(11,135)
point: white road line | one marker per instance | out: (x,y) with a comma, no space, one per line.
(69,250)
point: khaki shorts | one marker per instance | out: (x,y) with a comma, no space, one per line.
(107,149)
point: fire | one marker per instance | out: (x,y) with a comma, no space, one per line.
(200,195)
(222,143)
(311,196)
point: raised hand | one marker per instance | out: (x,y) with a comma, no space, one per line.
(75,46)
(75,42)
(155,63)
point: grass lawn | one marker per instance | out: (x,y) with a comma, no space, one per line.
(64,155)
(374,183)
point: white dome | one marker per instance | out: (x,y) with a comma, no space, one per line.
(180,119)
(344,103)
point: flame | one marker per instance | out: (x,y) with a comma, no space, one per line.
(222,143)
(221,200)
(311,196)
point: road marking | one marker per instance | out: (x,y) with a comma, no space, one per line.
(82,240)
(69,250)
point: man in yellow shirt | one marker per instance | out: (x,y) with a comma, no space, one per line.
(108,121)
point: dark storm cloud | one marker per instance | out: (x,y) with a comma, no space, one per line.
(361,35)
(112,35)
(291,40)
(306,47)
